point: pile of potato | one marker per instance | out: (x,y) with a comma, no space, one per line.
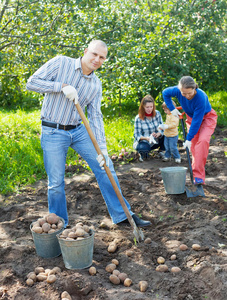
(116,276)
(49,224)
(78,232)
(40,274)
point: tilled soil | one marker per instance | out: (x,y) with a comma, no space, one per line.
(176,220)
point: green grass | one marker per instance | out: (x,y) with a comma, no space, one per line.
(21,157)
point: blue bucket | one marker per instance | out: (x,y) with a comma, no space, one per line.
(46,244)
(77,254)
(174,179)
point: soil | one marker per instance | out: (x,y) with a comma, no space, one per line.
(176,219)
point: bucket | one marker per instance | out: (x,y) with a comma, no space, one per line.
(174,179)
(77,254)
(46,244)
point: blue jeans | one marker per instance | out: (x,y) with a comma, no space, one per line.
(171,146)
(55,144)
(144,147)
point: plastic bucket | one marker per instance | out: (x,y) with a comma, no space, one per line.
(77,254)
(174,179)
(46,244)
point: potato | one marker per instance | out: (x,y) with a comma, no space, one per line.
(39,270)
(127,282)
(162,268)
(70,239)
(143,285)
(66,232)
(161,260)
(41,221)
(79,225)
(54,226)
(122,276)
(52,218)
(183,247)
(114,279)
(32,276)
(41,277)
(92,270)
(47,271)
(60,225)
(112,247)
(115,261)
(173,257)
(80,232)
(51,230)
(51,278)
(72,235)
(116,272)
(29,282)
(54,271)
(147,241)
(129,252)
(46,227)
(110,268)
(175,269)
(86,228)
(66,295)
(196,247)
(37,229)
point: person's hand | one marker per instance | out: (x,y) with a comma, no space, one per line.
(187,144)
(176,113)
(163,126)
(71,93)
(102,158)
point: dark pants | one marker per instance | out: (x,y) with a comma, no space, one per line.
(144,147)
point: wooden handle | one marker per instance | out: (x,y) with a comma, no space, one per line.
(108,172)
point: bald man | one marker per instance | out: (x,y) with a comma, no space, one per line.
(66,81)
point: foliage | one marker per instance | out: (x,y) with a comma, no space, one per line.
(151,44)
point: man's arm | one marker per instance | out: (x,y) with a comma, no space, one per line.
(43,80)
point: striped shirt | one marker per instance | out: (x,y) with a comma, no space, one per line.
(147,126)
(56,107)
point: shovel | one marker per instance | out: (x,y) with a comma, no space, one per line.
(196,190)
(137,232)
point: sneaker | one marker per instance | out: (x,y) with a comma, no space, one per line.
(166,158)
(198,181)
(178,160)
(140,158)
(161,154)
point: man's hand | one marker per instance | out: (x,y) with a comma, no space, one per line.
(163,126)
(176,113)
(71,93)
(187,144)
(102,158)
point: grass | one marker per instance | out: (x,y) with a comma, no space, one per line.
(21,157)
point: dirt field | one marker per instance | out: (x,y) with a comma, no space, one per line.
(175,219)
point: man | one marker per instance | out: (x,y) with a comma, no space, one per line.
(66,81)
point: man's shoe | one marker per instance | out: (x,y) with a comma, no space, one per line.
(139,222)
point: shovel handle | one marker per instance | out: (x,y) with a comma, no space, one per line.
(188,155)
(108,172)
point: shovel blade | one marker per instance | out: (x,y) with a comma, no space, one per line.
(196,191)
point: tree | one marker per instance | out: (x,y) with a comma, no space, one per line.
(151,43)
